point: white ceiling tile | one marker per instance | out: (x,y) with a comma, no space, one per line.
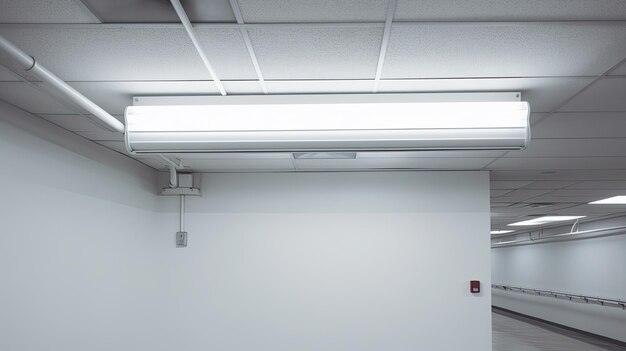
(32,99)
(319,86)
(503,50)
(543,94)
(522,195)
(394,163)
(508,184)
(549,184)
(531,206)
(620,70)
(115,96)
(110,53)
(45,11)
(102,135)
(582,125)
(317,53)
(150,11)
(572,148)
(497,193)
(554,163)
(535,118)
(131,52)
(203,11)
(600,184)
(298,11)
(497,204)
(7,76)
(601,193)
(509,10)
(75,123)
(608,94)
(565,199)
(550,174)
(227,52)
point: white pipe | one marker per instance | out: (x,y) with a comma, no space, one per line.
(586,234)
(29,64)
(180,11)
(173,174)
(182,213)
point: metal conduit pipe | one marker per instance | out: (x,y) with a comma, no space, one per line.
(585,234)
(30,65)
(173,173)
(182,213)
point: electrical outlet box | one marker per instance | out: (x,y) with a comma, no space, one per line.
(181,239)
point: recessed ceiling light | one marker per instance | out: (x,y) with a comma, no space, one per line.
(545,220)
(615,200)
(501,231)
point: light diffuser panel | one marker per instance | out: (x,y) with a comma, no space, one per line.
(311,127)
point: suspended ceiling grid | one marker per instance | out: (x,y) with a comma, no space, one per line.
(566,60)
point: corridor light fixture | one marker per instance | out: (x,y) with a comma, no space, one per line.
(495,232)
(312,124)
(546,220)
(615,200)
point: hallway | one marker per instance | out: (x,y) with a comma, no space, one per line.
(510,333)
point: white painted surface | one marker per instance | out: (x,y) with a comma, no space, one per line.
(594,267)
(78,263)
(315,261)
(333,261)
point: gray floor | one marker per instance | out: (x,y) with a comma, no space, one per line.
(513,334)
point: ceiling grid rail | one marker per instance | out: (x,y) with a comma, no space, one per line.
(246,38)
(391,9)
(180,11)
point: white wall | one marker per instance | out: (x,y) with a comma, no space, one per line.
(595,267)
(315,261)
(77,254)
(334,261)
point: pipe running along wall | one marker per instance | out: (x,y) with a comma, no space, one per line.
(585,234)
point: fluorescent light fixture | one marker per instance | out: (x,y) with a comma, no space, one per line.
(615,200)
(324,155)
(545,220)
(493,232)
(307,125)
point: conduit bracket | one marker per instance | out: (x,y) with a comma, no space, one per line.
(184,185)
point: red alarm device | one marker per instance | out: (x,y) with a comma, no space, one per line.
(474,286)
